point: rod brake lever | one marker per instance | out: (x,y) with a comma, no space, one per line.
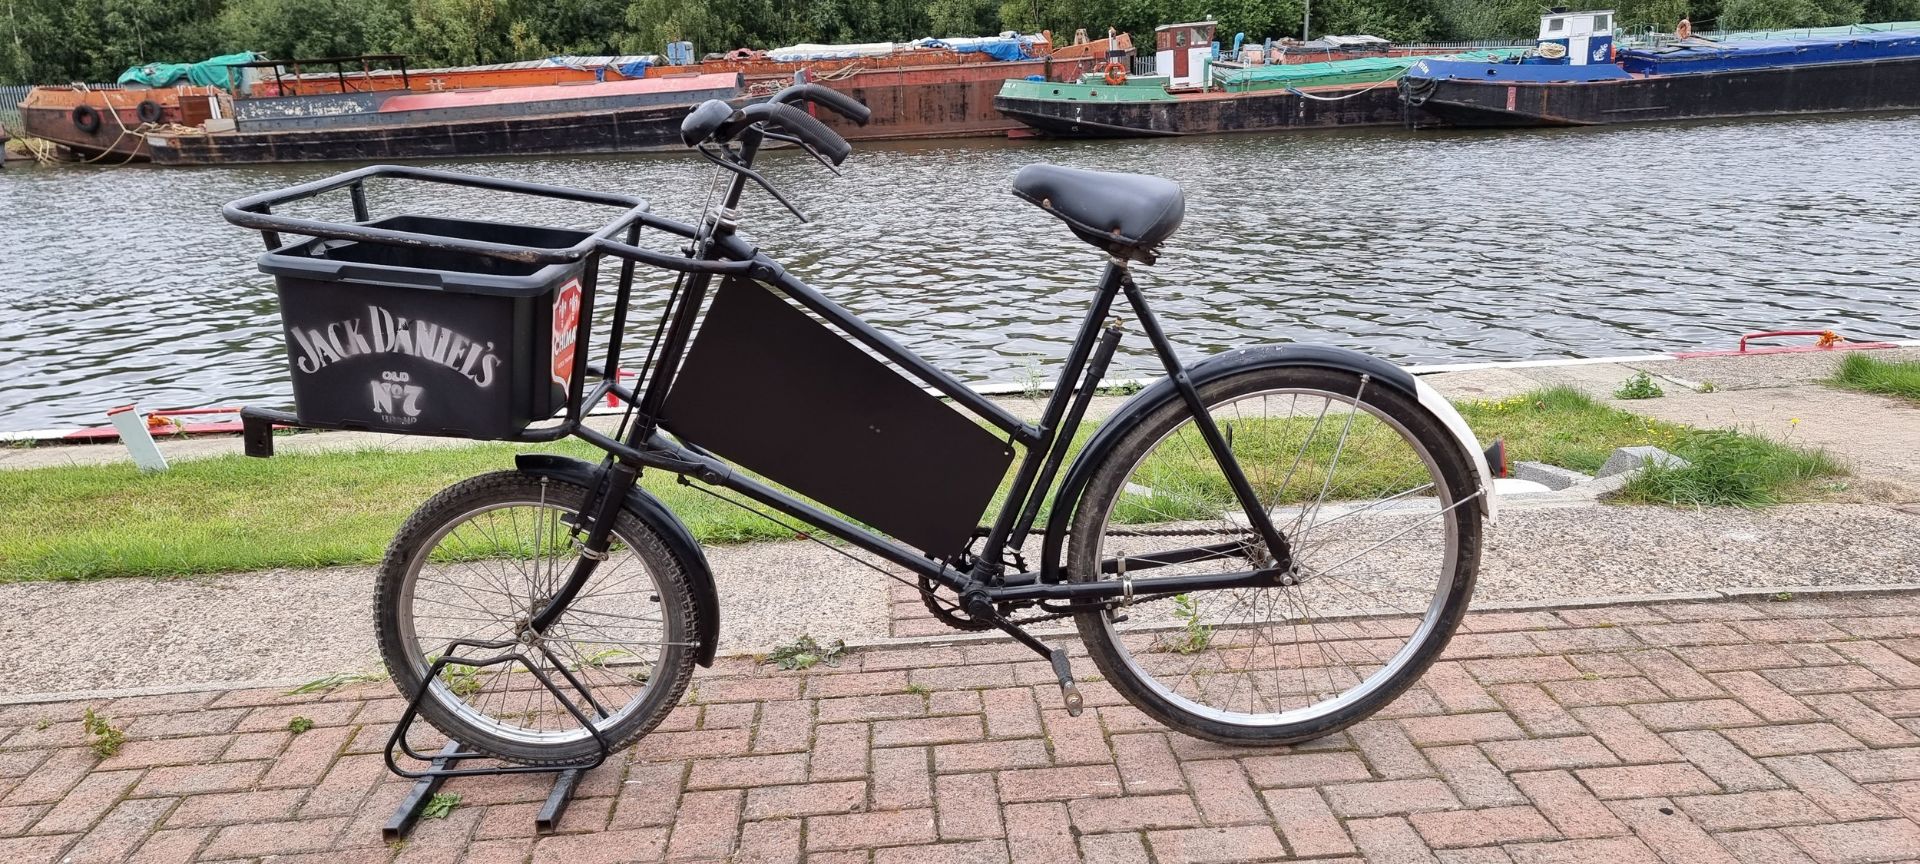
(753,175)
(817,157)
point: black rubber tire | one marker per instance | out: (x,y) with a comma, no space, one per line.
(149,111)
(679,610)
(85,118)
(1091,511)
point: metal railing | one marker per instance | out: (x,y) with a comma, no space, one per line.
(10,96)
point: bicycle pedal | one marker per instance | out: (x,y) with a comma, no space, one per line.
(1069,693)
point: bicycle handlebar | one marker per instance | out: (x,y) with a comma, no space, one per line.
(793,120)
(840,103)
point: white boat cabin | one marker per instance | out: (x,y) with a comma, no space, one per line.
(1182,51)
(1576,38)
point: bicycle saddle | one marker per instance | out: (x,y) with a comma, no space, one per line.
(1125,214)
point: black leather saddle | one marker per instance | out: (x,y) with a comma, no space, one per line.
(1127,215)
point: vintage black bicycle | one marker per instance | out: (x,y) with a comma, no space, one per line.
(1262,547)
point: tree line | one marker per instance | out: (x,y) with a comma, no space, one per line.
(56,41)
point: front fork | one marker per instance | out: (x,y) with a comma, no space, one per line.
(620,480)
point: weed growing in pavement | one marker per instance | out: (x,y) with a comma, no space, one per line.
(330,683)
(440,805)
(1874,375)
(464,681)
(106,739)
(1709,387)
(1194,636)
(805,653)
(1640,386)
(43,724)
(919,689)
(299,725)
(1781,597)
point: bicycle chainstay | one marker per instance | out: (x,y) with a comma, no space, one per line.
(930,598)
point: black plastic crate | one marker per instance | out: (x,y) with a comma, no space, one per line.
(424,341)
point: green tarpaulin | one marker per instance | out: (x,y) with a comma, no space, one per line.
(1335,72)
(207,73)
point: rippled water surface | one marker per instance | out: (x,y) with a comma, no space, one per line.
(123,285)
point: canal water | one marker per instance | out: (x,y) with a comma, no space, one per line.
(123,285)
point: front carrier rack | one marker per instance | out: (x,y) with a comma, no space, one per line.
(482,326)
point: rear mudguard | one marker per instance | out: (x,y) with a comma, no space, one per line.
(648,509)
(1136,409)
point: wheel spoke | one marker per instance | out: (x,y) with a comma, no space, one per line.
(1373,546)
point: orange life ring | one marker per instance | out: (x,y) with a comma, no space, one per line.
(1685,30)
(1116,74)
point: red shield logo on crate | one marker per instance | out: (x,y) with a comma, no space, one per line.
(566,323)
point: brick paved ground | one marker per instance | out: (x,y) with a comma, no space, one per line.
(1686,733)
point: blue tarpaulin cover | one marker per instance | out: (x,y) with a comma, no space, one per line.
(1002,48)
(1700,56)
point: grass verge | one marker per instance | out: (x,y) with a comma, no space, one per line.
(235,514)
(1873,375)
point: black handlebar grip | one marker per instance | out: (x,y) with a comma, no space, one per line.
(701,122)
(806,128)
(842,104)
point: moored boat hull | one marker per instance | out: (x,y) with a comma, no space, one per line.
(1879,85)
(635,130)
(48,114)
(1209,113)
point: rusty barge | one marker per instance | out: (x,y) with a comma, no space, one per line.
(927,89)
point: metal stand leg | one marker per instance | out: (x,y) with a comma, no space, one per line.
(423,790)
(548,820)
(442,765)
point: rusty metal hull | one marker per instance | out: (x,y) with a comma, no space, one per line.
(653,128)
(1209,113)
(1880,85)
(47,114)
(936,102)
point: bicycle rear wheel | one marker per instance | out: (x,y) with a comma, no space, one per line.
(475,562)
(1377,501)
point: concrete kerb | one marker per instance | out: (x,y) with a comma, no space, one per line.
(1016,388)
(1798,592)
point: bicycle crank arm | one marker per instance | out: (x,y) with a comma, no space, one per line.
(1069,693)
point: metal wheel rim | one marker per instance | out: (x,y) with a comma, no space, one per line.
(444,695)
(1374,681)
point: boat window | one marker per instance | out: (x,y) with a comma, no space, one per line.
(1555,25)
(1180,37)
(1601,24)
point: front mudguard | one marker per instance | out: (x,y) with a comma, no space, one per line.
(1136,410)
(679,541)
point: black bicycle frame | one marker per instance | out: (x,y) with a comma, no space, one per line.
(1046,447)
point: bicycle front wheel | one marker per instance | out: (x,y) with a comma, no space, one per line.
(1378,504)
(475,563)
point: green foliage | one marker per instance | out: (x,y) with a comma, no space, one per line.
(1874,375)
(330,683)
(1728,468)
(440,805)
(1640,386)
(806,653)
(106,739)
(300,725)
(1194,636)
